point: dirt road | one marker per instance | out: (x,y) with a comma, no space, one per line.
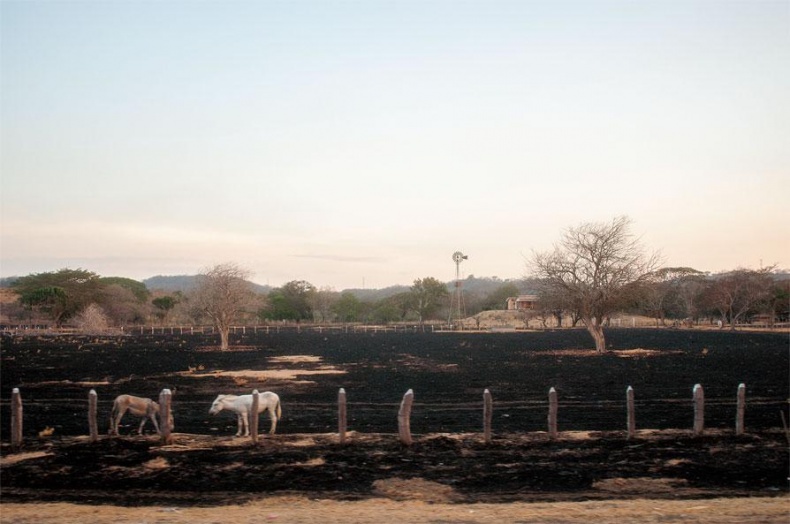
(286,510)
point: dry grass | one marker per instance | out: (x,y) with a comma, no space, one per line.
(13,458)
(242,377)
(414,489)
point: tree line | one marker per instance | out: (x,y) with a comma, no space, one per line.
(593,272)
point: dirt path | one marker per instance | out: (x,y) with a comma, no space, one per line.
(285,510)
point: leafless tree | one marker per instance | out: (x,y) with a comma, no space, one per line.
(688,293)
(121,305)
(321,303)
(595,265)
(739,293)
(223,293)
(92,320)
(663,292)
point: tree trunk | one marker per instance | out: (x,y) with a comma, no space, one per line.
(596,331)
(223,337)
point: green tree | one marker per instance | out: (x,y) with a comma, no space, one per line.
(60,294)
(427,296)
(391,309)
(779,301)
(137,288)
(163,305)
(292,301)
(497,299)
(348,308)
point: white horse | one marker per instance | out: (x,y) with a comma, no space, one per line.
(138,406)
(242,406)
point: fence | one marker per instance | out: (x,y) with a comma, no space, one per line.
(283,328)
(235,330)
(403,415)
(365,328)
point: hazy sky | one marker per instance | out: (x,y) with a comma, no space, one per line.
(353,143)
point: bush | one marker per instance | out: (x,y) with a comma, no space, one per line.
(92,320)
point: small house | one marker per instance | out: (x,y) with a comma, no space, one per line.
(522,302)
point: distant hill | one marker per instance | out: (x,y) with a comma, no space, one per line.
(374,295)
(7,281)
(171,283)
(486,285)
(185,283)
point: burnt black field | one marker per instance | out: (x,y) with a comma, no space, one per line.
(448,373)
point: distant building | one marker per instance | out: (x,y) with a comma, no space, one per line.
(522,302)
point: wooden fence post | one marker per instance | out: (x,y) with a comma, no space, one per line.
(256,401)
(164,416)
(488,412)
(630,417)
(341,415)
(93,428)
(16,418)
(739,428)
(699,409)
(404,418)
(552,413)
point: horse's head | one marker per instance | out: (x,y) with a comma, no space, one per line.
(216,406)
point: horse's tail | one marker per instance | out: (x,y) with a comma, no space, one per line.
(279,409)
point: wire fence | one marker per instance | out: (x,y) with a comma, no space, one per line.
(428,327)
(233,330)
(69,416)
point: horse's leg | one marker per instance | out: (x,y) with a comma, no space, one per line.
(142,423)
(117,421)
(274,421)
(112,431)
(152,416)
(239,422)
(246,421)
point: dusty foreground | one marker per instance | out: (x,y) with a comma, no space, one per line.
(75,482)
(285,509)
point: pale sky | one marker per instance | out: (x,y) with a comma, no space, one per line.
(361,143)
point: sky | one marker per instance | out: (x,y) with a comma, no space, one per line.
(361,143)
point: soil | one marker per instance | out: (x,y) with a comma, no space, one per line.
(448,467)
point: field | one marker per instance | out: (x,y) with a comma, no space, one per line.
(449,463)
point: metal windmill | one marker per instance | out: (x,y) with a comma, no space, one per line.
(457,309)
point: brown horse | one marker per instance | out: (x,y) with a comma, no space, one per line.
(138,406)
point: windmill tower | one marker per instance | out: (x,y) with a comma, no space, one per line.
(457,308)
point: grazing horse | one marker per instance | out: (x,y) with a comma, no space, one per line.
(138,406)
(242,406)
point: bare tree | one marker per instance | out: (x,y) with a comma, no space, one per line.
(121,305)
(662,294)
(739,293)
(321,302)
(596,266)
(92,320)
(223,293)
